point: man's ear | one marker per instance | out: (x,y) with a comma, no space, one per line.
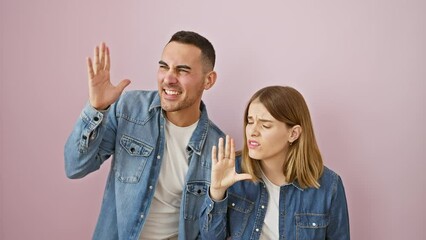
(295,132)
(210,80)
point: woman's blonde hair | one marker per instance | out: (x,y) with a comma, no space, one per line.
(304,162)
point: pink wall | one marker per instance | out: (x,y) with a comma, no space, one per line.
(360,65)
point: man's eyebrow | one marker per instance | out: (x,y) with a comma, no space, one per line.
(183,67)
(161,62)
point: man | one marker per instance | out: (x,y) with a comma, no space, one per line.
(160,141)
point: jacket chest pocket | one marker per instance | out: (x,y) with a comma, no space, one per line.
(311,226)
(239,210)
(194,198)
(131,159)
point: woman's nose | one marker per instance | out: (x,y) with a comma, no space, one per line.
(254,131)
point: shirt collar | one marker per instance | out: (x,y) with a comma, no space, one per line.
(199,136)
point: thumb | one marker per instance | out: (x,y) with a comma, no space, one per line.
(243,176)
(123,84)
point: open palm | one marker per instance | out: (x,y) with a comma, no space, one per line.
(223,174)
(102,92)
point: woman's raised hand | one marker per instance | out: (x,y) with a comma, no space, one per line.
(101,91)
(223,174)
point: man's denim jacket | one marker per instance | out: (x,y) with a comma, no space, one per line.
(308,213)
(132,130)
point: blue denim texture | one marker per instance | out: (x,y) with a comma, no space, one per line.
(303,213)
(132,131)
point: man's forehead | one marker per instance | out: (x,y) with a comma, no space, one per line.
(181,54)
(177,47)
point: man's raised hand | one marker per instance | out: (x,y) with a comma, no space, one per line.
(102,93)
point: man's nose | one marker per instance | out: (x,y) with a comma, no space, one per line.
(170,77)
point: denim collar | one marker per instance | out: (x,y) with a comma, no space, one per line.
(294,184)
(156,103)
(199,136)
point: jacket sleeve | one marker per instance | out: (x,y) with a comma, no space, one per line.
(213,223)
(91,142)
(339,217)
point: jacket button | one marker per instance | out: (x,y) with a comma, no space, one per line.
(95,119)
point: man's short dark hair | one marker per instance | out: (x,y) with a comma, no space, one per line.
(208,54)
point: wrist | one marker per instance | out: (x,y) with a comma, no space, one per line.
(99,107)
(217,194)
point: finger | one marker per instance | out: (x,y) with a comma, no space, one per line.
(214,155)
(123,84)
(107,59)
(90,68)
(102,56)
(232,155)
(96,56)
(243,176)
(227,147)
(220,152)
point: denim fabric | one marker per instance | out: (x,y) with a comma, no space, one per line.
(303,213)
(132,131)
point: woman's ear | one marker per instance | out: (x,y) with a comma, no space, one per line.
(295,132)
(210,80)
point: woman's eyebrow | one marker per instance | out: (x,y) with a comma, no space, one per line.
(259,119)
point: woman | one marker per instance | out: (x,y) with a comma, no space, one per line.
(290,195)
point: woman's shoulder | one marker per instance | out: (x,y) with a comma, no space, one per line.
(329,178)
(327,172)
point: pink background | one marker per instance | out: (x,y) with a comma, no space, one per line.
(361,66)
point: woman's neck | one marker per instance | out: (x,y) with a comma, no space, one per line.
(273,170)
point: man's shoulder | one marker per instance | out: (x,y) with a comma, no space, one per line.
(137,98)
(139,94)
(136,104)
(214,129)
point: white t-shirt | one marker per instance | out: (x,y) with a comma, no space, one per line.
(163,217)
(270,229)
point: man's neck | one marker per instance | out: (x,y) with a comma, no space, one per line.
(183,118)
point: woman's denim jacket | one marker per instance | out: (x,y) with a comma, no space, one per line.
(303,213)
(132,130)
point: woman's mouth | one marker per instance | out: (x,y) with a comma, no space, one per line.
(253,144)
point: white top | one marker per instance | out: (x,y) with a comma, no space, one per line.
(163,217)
(270,229)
